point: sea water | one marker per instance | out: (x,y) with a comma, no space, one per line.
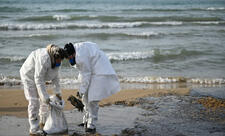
(147,41)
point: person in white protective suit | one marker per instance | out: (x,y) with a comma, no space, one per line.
(40,66)
(98,79)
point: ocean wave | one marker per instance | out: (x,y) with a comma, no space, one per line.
(139,10)
(122,34)
(32,26)
(173,54)
(47,18)
(38,35)
(70,10)
(16,81)
(129,56)
(33,36)
(67,25)
(3,17)
(168,19)
(173,9)
(80,25)
(103,18)
(143,34)
(155,80)
(11,9)
(69,81)
(47,26)
(8,81)
(111,25)
(209,22)
(74,83)
(155,55)
(150,80)
(151,9)
(12,59)
(215,8)
(167,23)
(61,17)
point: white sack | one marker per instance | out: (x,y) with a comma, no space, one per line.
(56,121)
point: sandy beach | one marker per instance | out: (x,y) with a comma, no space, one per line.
(180,111)
(13,102)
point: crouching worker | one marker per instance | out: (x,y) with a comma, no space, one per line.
(40,66)
(98,79)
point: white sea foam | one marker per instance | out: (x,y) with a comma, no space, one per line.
(28,26)
(111,25)
(61,17)
(167,23)
(143,34)
(69,81)
(9,81)
(32,26)
(74,83)
(207,81)
(123,56)
(36,35)
(93,16)
(13,58)
(208,22)
(130,55)
(216,8)
(146,79)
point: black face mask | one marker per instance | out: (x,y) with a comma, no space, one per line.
(72,61)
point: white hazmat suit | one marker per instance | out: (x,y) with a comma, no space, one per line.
(34,72)
(98,79)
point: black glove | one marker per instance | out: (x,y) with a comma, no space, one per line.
(79,95)
(59,96)
(76,103)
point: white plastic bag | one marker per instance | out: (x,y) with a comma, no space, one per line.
(56,121)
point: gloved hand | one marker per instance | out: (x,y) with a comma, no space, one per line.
(48,101)
(59,96)
(79,95)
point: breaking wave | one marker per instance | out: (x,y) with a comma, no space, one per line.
(12,59)
(81,25)
(129,56)
(124,34)
(103,18)
(46,18)
(215,8)
(9,81)
(164,80)
(74,83)
(155,55)
(67,26)
(47,26)
(209,22)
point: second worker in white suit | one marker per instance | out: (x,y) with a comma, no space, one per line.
(98,78)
